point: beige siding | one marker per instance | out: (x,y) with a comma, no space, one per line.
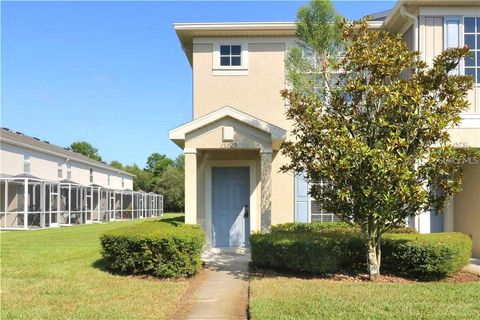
(430,37)
(431,44)
(467,207)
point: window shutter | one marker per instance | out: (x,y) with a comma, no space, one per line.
(452,33)
(302,213)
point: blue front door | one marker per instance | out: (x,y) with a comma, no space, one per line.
(230,206)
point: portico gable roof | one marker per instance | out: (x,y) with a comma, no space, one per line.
(178,134)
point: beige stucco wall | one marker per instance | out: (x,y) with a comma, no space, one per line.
(248,142)
(467,207)
(257,93)
(45,166)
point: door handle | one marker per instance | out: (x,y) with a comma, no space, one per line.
(245,211)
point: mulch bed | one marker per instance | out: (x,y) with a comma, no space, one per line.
(461,277)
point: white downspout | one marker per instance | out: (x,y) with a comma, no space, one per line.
(404,13)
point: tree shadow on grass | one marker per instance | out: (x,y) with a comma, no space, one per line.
(174,220)
(102,265)
(261,272)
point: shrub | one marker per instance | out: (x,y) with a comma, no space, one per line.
(403,230)
(425,256)
(333,247)
(154,248)
(313,227)
(310,252)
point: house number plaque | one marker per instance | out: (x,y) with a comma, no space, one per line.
(228,145)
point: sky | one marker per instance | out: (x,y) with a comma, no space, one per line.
(113,73)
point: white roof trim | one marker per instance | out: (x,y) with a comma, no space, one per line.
(178,134)
(235,26)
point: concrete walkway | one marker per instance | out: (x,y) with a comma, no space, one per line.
(220,290)
(473,267)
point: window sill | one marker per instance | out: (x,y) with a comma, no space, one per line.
(230,72)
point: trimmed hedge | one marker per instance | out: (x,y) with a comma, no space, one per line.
(316,249)
(309,252)
(425,256)
(313,227)
(154,248)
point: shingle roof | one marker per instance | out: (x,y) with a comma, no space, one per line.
(18,138)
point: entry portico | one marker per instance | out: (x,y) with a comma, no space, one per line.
(217,146)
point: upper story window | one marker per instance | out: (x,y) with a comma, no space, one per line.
(91,175)
(230,55)
(123,182)
(26,162)
(69,170)
(230,58)
(108,179)
(472,40)
(60,170)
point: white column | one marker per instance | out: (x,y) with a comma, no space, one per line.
(266,189)
(57,213)
(42,204)
(69,203)
(133,205)
(6,204)
(25,203)
(121,205)
(190,186)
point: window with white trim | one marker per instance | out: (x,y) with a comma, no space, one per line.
(60,170)
(109,179)
(69,170)
(91,175)
(320,215)
(471,38)
(123,182)
(230,55)
(26,162)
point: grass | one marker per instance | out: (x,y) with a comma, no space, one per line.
(282,298)
(58,274)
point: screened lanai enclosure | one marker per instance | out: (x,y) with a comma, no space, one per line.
(28,202)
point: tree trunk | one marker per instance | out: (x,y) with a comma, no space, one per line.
(373,257)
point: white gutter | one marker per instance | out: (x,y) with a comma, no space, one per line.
(406,14)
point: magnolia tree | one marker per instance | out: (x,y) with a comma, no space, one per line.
(370,130)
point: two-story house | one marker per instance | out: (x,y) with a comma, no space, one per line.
(232,159)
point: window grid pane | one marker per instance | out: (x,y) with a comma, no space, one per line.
(320,215)
(230,55)
(472,40)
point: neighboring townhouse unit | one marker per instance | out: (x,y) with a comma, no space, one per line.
(232,181)
(43,185)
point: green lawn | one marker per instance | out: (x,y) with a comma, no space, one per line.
(57,274)
(292,298)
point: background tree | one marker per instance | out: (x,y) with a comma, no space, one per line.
(171,184)
(367,150)
(86,149)
(143,179)
(162,175)
(157,163)
(116,164)
(320,41)
(179,162)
